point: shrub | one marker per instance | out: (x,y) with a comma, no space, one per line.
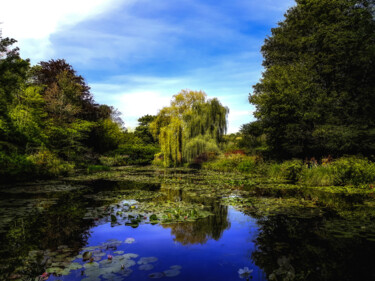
(247,165)
(136,154)
(233,162)
(273,170)
(318,176)
(47,164)
(15,166)
(97,168)
(117,160)
(158,160)
(291,170)
(353,170)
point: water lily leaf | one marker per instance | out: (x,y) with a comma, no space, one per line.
(156,275)
(129,240)
(146,260)
(86,256)
(130,256)
(74,266)
(91,248)
(91,264)
(66,271)
(118,252)
(126,272)
(101,254)
(55,270)
(176,267)
(171,272)
(146,267)
(128,263)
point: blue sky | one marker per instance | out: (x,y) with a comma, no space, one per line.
(136,54)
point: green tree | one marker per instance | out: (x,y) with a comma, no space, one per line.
(13,75)
(317,93)
(142,131)
(191,126)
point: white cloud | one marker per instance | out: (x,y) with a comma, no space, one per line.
(32,22)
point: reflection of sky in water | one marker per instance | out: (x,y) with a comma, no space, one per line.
(213,260)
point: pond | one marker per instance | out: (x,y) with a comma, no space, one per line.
(144,223)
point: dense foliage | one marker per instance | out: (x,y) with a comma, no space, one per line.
(317,93)
(49,122)
(189,127)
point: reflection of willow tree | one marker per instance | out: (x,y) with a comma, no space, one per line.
(310,252)
(200,231)
(60,224)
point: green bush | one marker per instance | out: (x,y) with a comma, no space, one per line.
(137,154)
(117,160)
(158,160)
(47,164)
(272,170)
(353,170)
(318,176)
(232,162)
(248,165)
(291,170)
(97,168)
(15,166)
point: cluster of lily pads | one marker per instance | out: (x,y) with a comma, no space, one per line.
(263,206)
(133,213)
(106,262)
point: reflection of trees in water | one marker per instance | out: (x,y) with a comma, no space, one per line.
(310,252)
(60,224)
(202,230)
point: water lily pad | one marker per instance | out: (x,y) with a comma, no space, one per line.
(101,254)
(91,248)
(176,267)
(129,240)
(118,252)
(146,260)
(66,271)
(91,264)
(86,256)
(171,272)
(128,263)
(156,275)
(74,266)
(146,267)
(55,270)
(130,256)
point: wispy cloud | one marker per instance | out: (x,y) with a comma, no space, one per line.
(33,22)
(136,54)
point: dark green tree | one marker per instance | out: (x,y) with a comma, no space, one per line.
(317,93)
(143,132)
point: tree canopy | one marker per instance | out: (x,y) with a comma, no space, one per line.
(317,93)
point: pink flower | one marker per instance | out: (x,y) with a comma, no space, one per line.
(109,257)
(44,276)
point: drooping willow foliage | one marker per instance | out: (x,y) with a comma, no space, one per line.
(191,126)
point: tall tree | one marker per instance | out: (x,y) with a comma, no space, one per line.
(317,93)
(191,126)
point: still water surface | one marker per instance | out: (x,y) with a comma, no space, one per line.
(81,231)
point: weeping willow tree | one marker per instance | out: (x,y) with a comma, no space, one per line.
(192,125)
